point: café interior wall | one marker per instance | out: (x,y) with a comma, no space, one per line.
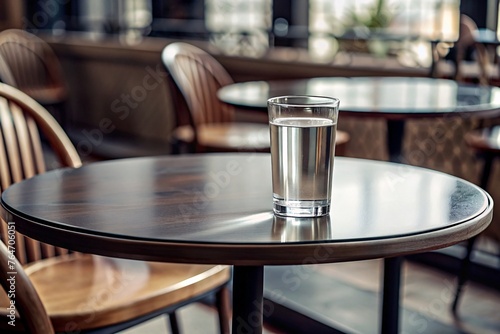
(132,95)
(112,80)
(107,81)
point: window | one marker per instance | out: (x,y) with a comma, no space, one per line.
(250,27)
(381,25)
(239,26)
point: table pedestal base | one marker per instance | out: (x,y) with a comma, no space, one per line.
(248,287)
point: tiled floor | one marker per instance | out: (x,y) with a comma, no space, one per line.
(427,294)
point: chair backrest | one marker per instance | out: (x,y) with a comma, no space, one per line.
(198,76)
(28,63)
(26,301)
(466,39)
(22,155)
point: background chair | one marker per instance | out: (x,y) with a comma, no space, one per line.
(467,47)
(83,292)
(467,40)
(28,63)
(486,143)
(205,124)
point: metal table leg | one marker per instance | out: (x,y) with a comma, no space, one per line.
(390,298)
(392,266)
(395,136)
(248,287)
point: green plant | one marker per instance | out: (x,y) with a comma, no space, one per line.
(376,16)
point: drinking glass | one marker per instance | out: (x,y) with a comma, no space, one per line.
(303,131)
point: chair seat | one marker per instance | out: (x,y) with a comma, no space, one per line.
(235,136)
(104,291)
(341,141)
(232,136)
(487,139)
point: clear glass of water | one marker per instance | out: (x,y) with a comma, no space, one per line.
(302,228)
(303,131)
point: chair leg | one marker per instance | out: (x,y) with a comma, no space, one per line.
(485,175)
(174,324)
(222,301)
(464,273)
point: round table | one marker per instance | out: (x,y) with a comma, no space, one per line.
(217,208)
(395,99)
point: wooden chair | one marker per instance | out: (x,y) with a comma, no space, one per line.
(82,292)
(33,316)
(28,63)
(205,124)
(486,143)
(467,40)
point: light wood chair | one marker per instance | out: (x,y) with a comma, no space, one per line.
(33,316)
(205,124)
(28,63)
(467,40)
(83,292)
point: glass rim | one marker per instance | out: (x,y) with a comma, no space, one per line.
(281,101)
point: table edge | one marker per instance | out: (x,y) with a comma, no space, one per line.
(490,112)
(253,254)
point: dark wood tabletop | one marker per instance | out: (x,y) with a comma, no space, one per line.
(387,97)
(218,209)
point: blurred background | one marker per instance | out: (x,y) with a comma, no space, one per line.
(119,102)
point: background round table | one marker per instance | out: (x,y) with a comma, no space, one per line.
(217,208)
(394,99)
